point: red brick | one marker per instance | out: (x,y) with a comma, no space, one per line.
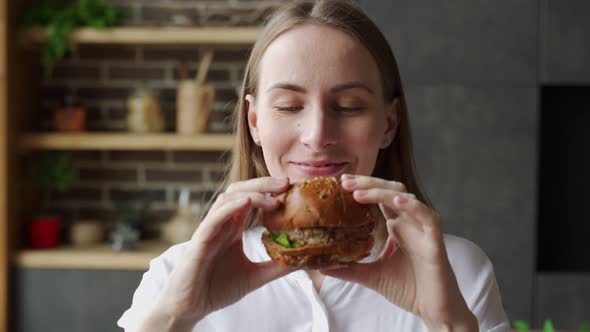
(137,156)
(136,73)
(78,194)
(182,176)
(106,52)
(218,75)
(225,95)
(101,93)
(137,195)
(165,15)
(56,93)
(232,55)
(198,156)
(108,174)
(71,71)
(117,114)
(161,214)
(167,53)
(86,156)
(97,213)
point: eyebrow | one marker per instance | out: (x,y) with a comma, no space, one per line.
(335,89)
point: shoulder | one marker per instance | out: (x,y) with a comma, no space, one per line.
(464,255)
(475,275)
(165,262)
(472,267)
(152,282)
(161,266)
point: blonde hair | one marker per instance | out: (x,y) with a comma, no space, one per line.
(396,162)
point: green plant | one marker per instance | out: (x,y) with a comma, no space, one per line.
(522,326)
(128,219)
(60,20)
(52,171)
(132,215)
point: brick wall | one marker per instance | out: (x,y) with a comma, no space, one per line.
(102,77)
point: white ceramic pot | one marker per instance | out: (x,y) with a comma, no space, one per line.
(87,232)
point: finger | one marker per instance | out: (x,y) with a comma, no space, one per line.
(404,231)
(411,207)
(259,200)
(217,218)
(262,185)
(359,182)
(379,196)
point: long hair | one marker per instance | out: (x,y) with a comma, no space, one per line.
(396,162)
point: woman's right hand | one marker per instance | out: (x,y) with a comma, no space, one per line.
(214,271)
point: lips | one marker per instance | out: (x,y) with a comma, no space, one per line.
(319,168)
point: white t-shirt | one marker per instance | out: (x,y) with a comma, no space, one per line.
(291,303)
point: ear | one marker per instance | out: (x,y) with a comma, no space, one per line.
(392,118)
(252,117)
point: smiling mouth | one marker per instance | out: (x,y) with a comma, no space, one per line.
(322,166)
(328,169)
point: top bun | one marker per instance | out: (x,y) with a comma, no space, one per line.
(318,202)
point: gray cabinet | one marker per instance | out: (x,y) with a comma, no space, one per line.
(563,298)
(71,300)
(565,41)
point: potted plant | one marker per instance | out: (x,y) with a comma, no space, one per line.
(71,117)
(51,172)
(127,229)
(61,19)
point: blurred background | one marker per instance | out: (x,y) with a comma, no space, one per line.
(113,140)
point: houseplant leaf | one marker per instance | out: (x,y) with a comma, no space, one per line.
(521,326)
(548,326)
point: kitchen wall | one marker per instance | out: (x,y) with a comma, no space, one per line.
(103,76)
(471,71)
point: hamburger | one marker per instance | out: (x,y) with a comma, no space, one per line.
(318,225)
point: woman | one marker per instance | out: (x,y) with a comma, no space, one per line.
(321,95)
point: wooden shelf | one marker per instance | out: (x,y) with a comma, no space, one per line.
(125,141)
(153,35)
(94,257)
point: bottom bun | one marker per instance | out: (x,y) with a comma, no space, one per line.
(319,256)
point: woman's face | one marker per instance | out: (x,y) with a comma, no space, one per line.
(319,109)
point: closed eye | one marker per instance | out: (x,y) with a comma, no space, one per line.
(289,108)
(349,109)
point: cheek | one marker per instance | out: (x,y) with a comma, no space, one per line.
(277,136)
(363,141)
(364,133)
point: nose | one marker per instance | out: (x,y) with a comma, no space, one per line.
(318,130)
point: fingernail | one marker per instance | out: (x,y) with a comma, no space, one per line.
(279,181)
(270,199)
(360,193)
(349,183)
(346,176)
(402,200)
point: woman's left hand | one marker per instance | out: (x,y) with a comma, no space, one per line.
(414,270)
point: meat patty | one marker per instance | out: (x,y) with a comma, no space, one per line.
(325,235)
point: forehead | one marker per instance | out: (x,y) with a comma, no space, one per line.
(314,54)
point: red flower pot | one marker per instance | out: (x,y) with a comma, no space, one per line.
(44,232)
(72,119)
